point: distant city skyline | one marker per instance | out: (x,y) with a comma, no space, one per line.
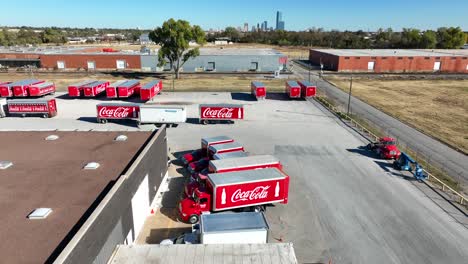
(298,14)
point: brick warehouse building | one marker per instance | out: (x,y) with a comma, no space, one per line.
(387,60)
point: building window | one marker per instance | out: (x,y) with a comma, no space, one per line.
(373,58)
(384,58)
(400,58)
(437,58)
(121,64)
(346,58)
(358,58)
(410,58)
(454,58)
(60,65)
(254,66)
(427,58)
(91,65)
(464,58)
(211,66)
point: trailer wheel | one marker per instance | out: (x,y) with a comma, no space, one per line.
(193,219)
(259,208)
(103,121)
(45,116)
(23,115)
(205,122)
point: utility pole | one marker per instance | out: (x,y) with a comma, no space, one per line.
(349,96)
(309,72)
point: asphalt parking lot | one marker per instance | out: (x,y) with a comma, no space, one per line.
(344,204)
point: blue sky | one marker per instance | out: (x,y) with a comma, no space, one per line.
(298,14)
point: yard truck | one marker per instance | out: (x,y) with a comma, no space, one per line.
(386,148)
(248,190)
(203,152)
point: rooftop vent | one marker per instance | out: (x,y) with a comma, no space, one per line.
(92,166)
(40,213)
(5,164)
(52,137)
(121,138)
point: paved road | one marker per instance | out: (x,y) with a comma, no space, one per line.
(452,161)
(343,204)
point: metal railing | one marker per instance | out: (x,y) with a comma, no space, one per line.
(365,130)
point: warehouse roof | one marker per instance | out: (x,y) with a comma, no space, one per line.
(274,253)
(238,51)
(394,52)
(51,174)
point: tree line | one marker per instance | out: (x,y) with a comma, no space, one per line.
(411,38)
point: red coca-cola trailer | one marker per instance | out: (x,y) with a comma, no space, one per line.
(46,108)
(307,89)
(76,90)
(150,90)
(111,90)
(5,89)
(244,163)
(293,90)
(224,148)
(220,112)
(108,111)
(258,90)
(203,152)
(128,88)
(20,88)
(95,88)
(42,89)
(239,189)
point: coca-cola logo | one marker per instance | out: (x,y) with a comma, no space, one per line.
(119,112)
(260,192)
(218,113)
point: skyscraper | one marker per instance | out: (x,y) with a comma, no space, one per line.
(266,25)
(246,27)
(279,17)
(279,21)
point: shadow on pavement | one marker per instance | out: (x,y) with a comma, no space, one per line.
(362,151)
(277,97)
(130,123)
(243,97)
(157,235)
(388,167)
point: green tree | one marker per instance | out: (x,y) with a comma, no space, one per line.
(410,38)
(174,37)
(53,35)
(232,33)
(428,40)
(450,38)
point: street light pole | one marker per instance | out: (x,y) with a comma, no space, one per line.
(349,96)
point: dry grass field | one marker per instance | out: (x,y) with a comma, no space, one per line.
(189,82)
(436,107)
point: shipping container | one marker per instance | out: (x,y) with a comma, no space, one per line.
(293,90)
(258,90)
(20,88)
(111,90)
(76,90)
(128,88)
(307,89)
(41,89)
(162,114)
(220,112)
(43,107)
(94,89)
(107,111)
(150,90)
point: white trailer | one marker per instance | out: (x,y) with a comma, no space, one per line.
(234,228)
(162,114)
(3,104)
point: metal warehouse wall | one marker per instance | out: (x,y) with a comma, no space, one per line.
(403,64)
(224,63)
(329,61)
(108,226)
(103,61)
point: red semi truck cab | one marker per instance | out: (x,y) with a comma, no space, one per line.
(233,190)
(258,90)
(386,148)
(307,89)
(293,90)
(203,152)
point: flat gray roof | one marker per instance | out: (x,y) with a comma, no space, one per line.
(219,179)
(238,51)
(395,52)
(274,253)
(243,161)
(214,223)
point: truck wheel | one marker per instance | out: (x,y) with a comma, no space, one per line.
(193,219)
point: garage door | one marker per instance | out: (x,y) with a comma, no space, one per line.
(437,66)
(370,65)
(140,207)
(121,64)
(91,65)
(60,65)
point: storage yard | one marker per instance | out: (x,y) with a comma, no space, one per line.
(437,107)
(345,204)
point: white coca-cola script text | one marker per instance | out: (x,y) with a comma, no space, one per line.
(260,192)
(119,112)
(218,113)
